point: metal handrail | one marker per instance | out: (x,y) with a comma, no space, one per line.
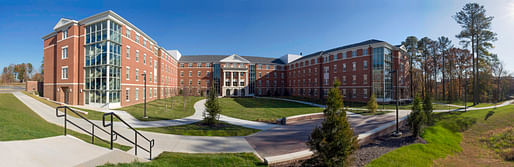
(93,125)
(136,133)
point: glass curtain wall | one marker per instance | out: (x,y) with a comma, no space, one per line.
(102,62)
(251,78)
(381,66)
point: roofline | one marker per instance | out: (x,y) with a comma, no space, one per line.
(118,17)
(49,35)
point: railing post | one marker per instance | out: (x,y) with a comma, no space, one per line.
(65,120)
(111,131)
(93,132)
(135,142)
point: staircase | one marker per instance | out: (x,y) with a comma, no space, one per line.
(109,134)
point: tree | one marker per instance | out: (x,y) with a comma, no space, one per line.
(416,118)
(444,45)
(427,109)
(212,109)
(476,31)
(424,48)
(372,103)
(333,142)
(411,44)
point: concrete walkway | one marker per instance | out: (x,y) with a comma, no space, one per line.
(199,107)
(59,151)
(163,142)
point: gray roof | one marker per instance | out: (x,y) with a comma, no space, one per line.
(217,58)
(368,42)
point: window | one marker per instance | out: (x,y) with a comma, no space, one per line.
(365,64)
(364,52)
(335,68)
(128,52)
(190,73)
(260,74)
(267,67)
(199,82)
(199,73)
(137,93)
(365,79)
(144,58)
(128,33)
(127,92)
(181,82)
(151,90)
(335,57)
(181,64)
(344,55)
(207,82)
(190,64)
(137,74)
(208,73)
(344,80)
(344,92)
(227,83)
(137,55)
(137,38)
(207,64)
(365,93)
(65,52)
(354,93)
(144,43)
(127,76)
(64,73)
(354,66)
(354,79)
(198,64)
(354,53)
(150,76)
(326,69)
(190,82)
(344,67)
(151,60)
(64,34)
(181,73)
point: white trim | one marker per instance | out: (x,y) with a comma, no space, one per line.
(62,53)
(69,37)
(49,46)
(46,84)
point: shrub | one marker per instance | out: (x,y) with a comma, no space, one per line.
(372,103)
(212,111)
(417,118)
(427,108)
(333,142)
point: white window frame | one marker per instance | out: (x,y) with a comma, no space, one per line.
(127,73)
(64,55)
(64,77)
(137,93)
(127,94)
(128,52)
(65,34)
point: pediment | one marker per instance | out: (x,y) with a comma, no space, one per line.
(234,59)
(63,22)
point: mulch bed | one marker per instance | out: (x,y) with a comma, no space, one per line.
(382,145)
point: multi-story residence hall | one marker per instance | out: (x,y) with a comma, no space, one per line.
(103,60)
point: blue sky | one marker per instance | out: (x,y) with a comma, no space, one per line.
(269,28)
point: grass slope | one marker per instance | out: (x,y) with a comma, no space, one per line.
(156,110)
(91,114)
(18,122)
(444,137)
(199,129)
(170,159)
(259,109)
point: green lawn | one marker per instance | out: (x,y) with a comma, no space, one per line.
(260,109)
(164,109)
(444,137)
(170,159)
(401,107)
(91,114)
(199,129)
(365,112)
(18,122)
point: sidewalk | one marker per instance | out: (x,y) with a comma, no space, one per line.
(163,142)
(59,151)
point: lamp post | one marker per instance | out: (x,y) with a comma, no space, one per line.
(397,132)
(465,96)
(144,79)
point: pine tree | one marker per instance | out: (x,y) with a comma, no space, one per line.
(372,103)
(427,108)
(416,118)
(212,109)
(333,142)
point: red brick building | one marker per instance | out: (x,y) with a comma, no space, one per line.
(103,61)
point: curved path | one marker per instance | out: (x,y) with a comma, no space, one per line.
(199,107)
(277,143)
